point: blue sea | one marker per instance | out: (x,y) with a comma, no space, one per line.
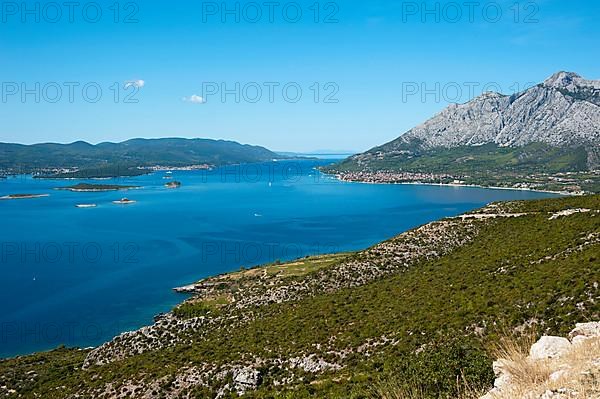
(78,277)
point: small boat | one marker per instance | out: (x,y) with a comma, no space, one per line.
(86,205)
(169,172)
(124,201)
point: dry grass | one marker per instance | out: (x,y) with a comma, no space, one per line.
(396,390)
(513,353)
(579,374)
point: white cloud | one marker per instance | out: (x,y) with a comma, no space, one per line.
(194,98)
(138,84)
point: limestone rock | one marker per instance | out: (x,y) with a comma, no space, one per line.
(549,348)
(583,331)
(246,378)
(562,111)
(503,378)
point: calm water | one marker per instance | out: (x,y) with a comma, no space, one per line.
(80,276)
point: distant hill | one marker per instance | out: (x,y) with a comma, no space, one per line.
(552,127)
(129,154)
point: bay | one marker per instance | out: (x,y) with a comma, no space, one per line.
(79,276)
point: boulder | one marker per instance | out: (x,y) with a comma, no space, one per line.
(584,331)
(503,377)
(549,348)
(312,364)
(558,374)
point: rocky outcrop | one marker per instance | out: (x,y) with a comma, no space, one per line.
(556,368)
(246,378)
(563,110)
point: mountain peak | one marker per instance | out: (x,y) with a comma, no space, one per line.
(566,80)
(562,111)
(562,79)
(489,95)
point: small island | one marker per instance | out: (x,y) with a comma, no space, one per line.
(86,205)
(23,196)
(173,184)
(87,188)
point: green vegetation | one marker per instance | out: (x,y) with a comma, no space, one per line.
(537,165)
(96,187)
(224,286)
(99,172)
(123,159)
(429,325)
(300,267)
(476,160)
(199,308)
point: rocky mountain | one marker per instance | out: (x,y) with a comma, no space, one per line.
(561,112)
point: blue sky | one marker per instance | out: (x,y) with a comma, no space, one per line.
(379,67)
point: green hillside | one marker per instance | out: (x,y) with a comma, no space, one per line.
(422,308)
(111,159)
(469,160)
(535,165)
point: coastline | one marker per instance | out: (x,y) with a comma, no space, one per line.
(565,193)
(464,185)
(219,306)
(192,286)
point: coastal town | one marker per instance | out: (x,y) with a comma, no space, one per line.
(64,172)
(571,183)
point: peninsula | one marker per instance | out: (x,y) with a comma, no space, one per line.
(416,308)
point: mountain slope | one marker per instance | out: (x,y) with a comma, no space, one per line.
(564,110)
(553,127)
(421,307)
(133,153)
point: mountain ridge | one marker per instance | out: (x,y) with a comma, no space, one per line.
(517,140)
(129,154)
(549,112)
